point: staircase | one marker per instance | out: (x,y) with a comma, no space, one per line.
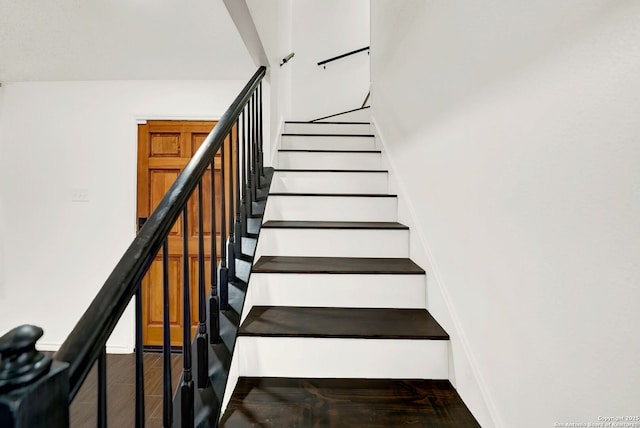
(334,329)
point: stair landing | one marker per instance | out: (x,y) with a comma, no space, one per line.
(348,403)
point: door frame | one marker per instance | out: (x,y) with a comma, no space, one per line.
(142,119)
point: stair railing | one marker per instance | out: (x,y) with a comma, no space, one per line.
(324,63)
(37,389)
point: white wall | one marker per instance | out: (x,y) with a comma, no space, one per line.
(273,21)
(59,135)
(2,236)
(323,29)
(513,128)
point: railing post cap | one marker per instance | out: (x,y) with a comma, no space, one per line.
(20,362)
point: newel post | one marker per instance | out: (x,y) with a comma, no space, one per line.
(34,389)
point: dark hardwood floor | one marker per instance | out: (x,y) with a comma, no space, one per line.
(348,403)
(121,392)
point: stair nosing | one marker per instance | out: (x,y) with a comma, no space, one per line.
(332,170)
(342,336)
(328,270)
(329,151)
(342,225)
(326,123)
(292,311)
(355,195)
(288,134)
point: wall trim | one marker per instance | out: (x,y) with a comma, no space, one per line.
(111,349)
(142,119)
(439,281)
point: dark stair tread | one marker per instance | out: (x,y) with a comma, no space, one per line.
(239,283)
(332,170)
(361,323)
(328,123)
(300,134)
(329,151)
(357,195)
(346,403)
(336,265)
(281,224)
(244,257)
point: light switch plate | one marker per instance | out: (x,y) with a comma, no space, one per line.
(80,194)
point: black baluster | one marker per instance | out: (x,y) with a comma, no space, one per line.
(260,131)
(102,389)
(201,338)
(231,257)
(139,361)
(256,143)
(243,173)
(254,178)
(224,276)
(186,389)
(214,304)
(167,389)
(237,227)
(247,167)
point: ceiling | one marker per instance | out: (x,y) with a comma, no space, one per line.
(120,40)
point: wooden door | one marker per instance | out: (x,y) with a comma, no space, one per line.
(164,148)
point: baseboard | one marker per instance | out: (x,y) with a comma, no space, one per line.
(485,412)
(111,349)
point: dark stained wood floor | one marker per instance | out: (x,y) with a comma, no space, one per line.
(121,392)
(365,323)
(348,403)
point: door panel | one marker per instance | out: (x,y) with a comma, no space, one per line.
(164,149)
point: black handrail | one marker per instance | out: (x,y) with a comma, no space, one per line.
(338,114)
(87,340)
(335,58)
(287,58)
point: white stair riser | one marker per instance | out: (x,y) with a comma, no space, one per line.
(342,358)
(330,182)
(331,208)
(328,143)
(331,160)
(336,290)
(327,128)
(333,242)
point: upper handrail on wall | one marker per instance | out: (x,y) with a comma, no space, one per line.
(287,58)
(335,58)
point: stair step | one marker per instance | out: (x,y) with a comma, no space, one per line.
(330,159)
(326,290)
(317,141)
(327,128)
(315,181)
(288,224)
(339,239)
(285,341)
(340,151)
(331,207)
(336,265)
(357,323)
(345,403)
